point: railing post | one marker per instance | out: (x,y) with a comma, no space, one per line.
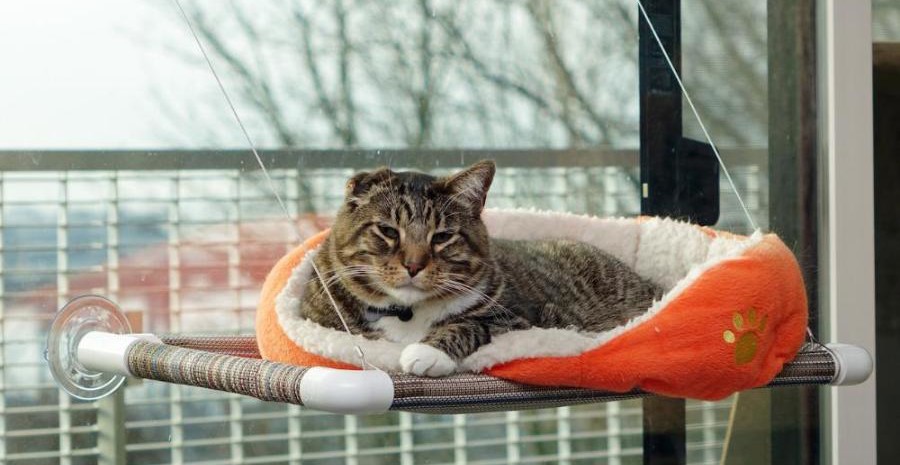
(2,331)
(661,136)
(665,436)
(111,429)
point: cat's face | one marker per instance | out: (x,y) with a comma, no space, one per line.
(405,237)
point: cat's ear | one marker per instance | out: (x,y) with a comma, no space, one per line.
(471,185)
(357,187)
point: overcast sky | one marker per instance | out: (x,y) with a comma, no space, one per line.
(83,74)
(91,74)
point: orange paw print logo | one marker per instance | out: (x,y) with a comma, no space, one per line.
(745,337)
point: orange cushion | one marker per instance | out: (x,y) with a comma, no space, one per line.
(732,328)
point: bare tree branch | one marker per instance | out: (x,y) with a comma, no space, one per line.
(436,73)
(256,90)
(746,72)
(504,82)
(539,11)
(424,95)
(312,66)
(349,106)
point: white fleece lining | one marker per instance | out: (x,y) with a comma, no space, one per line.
(670,253)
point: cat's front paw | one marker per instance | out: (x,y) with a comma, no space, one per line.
(424,360)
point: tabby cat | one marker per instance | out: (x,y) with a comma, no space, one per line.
(409,259)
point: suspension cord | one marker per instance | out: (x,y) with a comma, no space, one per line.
(271,183)
(687,96)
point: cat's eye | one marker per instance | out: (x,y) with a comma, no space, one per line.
(441,237)
(389,232)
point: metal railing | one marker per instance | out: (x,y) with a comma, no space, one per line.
(194,232)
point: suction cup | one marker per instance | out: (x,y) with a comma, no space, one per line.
(77,318)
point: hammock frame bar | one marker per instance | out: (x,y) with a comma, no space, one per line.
(232,364)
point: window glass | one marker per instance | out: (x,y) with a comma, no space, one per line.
(885,21)
(124,174)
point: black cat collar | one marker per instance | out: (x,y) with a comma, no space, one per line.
(403,313)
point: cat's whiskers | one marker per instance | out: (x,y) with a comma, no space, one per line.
(447,204)
(493,304)
(453,197)
(441,288)
(505,315)
(349,274)
(451,215)
(445,291)
(392,195)
(475,290)
(464,279)
(460,292)
(331,273)
(338,274)
(332,281)
(347,267)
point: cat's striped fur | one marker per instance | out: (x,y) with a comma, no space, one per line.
(410,239)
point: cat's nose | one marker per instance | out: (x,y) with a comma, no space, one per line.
(413,268)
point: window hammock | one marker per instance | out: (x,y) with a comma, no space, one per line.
(233,364)
(91,352)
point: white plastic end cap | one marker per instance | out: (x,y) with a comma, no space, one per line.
(351,392)
(106,352)
(854,364)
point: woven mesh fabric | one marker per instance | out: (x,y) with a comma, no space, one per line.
(469,393)
(248,376)
(814,364)
(232,364)
(240,346)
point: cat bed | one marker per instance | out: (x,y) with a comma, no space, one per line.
(733,313)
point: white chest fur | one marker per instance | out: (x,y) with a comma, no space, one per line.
(425,315)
